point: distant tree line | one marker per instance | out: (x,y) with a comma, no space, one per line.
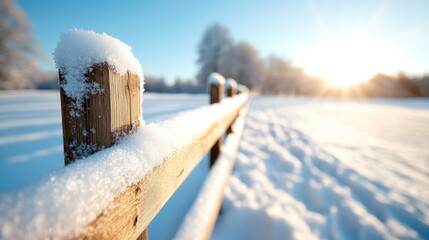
(382,85)
(400,85)
(217,52)
(159,85)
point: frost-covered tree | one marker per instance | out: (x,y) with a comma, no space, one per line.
(215,43)
(242,63)
(17,48)
(282,77)
(276,72)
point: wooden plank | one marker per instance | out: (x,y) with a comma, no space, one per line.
(144,235)
(132,211)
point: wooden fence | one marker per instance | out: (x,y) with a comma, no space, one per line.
(116,111)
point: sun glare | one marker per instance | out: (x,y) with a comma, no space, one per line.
(347,61)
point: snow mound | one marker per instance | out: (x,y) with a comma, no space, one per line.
(328,170)
(78,50)
(216,79)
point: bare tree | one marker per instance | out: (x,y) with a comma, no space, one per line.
(215,43)
(17,49)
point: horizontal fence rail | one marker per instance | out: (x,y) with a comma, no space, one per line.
(201,218)
(130,213)
(133,210)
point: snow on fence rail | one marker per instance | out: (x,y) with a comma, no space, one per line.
(201,218)
(120,182)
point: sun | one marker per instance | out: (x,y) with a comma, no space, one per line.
(348,54)
(346,61)
(343,62)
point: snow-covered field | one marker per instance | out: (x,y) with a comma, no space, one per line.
(306,168)
(332,170)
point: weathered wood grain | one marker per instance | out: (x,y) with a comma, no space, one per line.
(113,111)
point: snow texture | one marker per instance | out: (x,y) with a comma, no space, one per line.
(61,204)
(199,216)
(216,79)
(231,83)
(78,50)
(329,169)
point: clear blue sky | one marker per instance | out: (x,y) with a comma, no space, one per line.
(164,34)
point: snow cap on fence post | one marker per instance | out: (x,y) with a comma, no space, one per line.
(216,89)
(216,79)
(231,87)
(216,84)
(101,86)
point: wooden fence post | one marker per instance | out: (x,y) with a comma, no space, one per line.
(231,90)
(104,116)
(216,88)
(231,87)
